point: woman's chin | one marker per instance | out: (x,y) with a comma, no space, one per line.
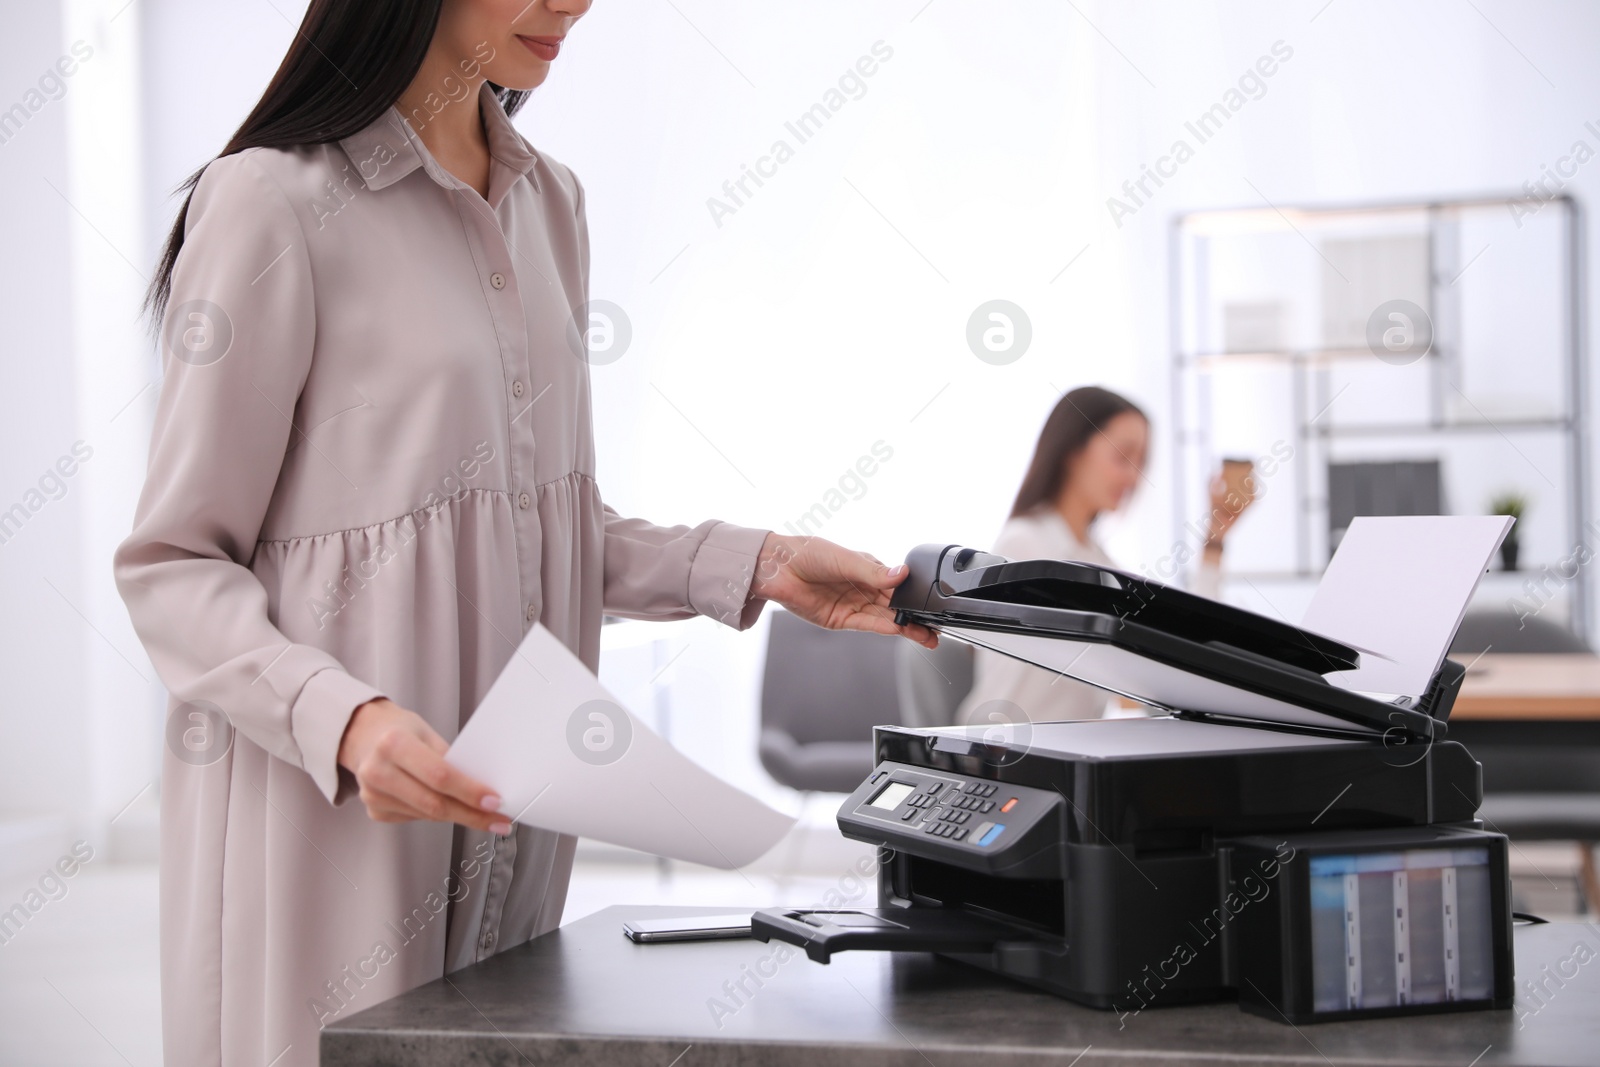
(522,81)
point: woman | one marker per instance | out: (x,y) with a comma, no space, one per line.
(372,471)
(1089,460)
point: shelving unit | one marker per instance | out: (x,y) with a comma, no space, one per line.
(1278,345)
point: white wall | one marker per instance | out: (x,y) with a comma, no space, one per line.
(205,66)
(825,314)
(42,654)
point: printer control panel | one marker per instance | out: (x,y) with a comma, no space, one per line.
(911,809)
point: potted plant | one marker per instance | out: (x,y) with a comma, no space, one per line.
(1513,504)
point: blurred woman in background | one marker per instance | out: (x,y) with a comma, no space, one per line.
(1088,461)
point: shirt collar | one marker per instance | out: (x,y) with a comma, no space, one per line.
(389,149)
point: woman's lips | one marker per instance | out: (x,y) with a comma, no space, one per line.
(546,48)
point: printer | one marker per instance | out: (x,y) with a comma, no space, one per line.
(1266,835)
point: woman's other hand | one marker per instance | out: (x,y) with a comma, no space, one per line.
(832,586)
(1232,491)
(398,760)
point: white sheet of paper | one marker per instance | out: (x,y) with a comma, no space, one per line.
(1139,678)
(1401,584)
(564,754)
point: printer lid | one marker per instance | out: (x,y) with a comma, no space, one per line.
(1146,641)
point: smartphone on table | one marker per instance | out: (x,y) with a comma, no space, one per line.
(688,928)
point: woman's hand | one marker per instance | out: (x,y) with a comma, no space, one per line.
(1227,504)
(398,760)
(832,586)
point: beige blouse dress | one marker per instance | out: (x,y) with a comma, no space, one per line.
(372,470)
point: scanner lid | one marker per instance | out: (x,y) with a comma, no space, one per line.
(1152,643)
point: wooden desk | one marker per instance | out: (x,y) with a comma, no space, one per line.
(1530,687)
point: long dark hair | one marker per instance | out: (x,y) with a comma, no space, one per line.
(1072,424)
(349,63)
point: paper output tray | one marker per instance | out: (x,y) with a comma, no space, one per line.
(823,932)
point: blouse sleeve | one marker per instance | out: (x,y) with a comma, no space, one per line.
(675,572)
(236,348)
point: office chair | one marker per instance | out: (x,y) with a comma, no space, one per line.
(932,683)
(1537,784)
(822,692)
(1547,791)
(1494,630)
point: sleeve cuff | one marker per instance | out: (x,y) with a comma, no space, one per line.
(720,576)
(320,714)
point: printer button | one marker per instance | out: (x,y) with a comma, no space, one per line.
(911,813)
(989,790)
(987,805)
(963,816)
(973,787)
(960,833)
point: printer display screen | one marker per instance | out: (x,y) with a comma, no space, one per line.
(1400,927)
(892,795)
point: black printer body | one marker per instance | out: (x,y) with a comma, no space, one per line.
(1316,857)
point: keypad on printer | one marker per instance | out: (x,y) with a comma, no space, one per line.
(962,803)
(951,806)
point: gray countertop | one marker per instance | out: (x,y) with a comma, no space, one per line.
(584,995)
